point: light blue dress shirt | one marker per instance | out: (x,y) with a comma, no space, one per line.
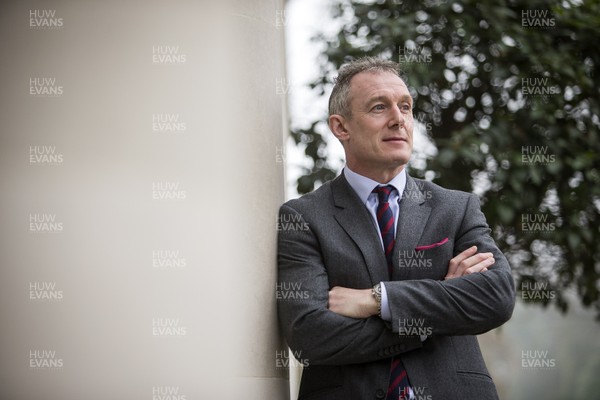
(363,187)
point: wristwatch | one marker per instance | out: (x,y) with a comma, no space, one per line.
(376,291)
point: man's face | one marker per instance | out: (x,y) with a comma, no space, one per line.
(379,134)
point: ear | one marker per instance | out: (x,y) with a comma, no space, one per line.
(337,125)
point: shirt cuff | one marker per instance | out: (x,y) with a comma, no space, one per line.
(386,314)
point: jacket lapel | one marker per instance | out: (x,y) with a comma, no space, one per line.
(411,222)
(355,219)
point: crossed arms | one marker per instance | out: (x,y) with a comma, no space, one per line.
(360,303)
(338,325)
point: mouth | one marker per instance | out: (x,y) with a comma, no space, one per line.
(395,140)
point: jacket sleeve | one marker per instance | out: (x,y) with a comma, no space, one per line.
(316,334)
(468,305)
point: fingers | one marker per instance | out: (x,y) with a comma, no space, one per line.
(340,300)
(468,262)
(333,299)
(480,267)
(453,265)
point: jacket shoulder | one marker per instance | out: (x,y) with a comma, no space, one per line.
(435,191)
(318,200)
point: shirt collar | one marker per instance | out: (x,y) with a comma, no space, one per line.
(363,186)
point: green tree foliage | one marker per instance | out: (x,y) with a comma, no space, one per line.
(508,92)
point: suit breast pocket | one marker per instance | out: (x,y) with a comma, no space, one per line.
(426,261)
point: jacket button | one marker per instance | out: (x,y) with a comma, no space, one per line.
(380,393)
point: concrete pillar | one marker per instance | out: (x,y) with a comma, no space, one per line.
(141,180)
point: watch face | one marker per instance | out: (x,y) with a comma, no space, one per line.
(377,289)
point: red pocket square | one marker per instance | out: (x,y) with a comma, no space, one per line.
(431,246)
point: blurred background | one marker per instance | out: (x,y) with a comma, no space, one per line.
(507,103)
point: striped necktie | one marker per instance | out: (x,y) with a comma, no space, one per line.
(399,384)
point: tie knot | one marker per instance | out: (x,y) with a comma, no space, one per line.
(383,192)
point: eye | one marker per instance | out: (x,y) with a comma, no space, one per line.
(378,107)
(405,107)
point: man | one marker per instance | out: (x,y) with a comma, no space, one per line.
(399,273)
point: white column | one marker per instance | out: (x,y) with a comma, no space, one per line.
(141,177)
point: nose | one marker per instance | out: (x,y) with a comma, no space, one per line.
(396,118)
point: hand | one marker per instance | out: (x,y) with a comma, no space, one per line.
(468,262)
(354,303)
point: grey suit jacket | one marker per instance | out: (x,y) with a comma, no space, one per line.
(328,238)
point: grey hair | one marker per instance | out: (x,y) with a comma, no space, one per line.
(339,101)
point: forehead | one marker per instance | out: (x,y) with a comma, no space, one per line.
(367,85)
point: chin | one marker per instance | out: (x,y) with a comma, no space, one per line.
(402,159)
